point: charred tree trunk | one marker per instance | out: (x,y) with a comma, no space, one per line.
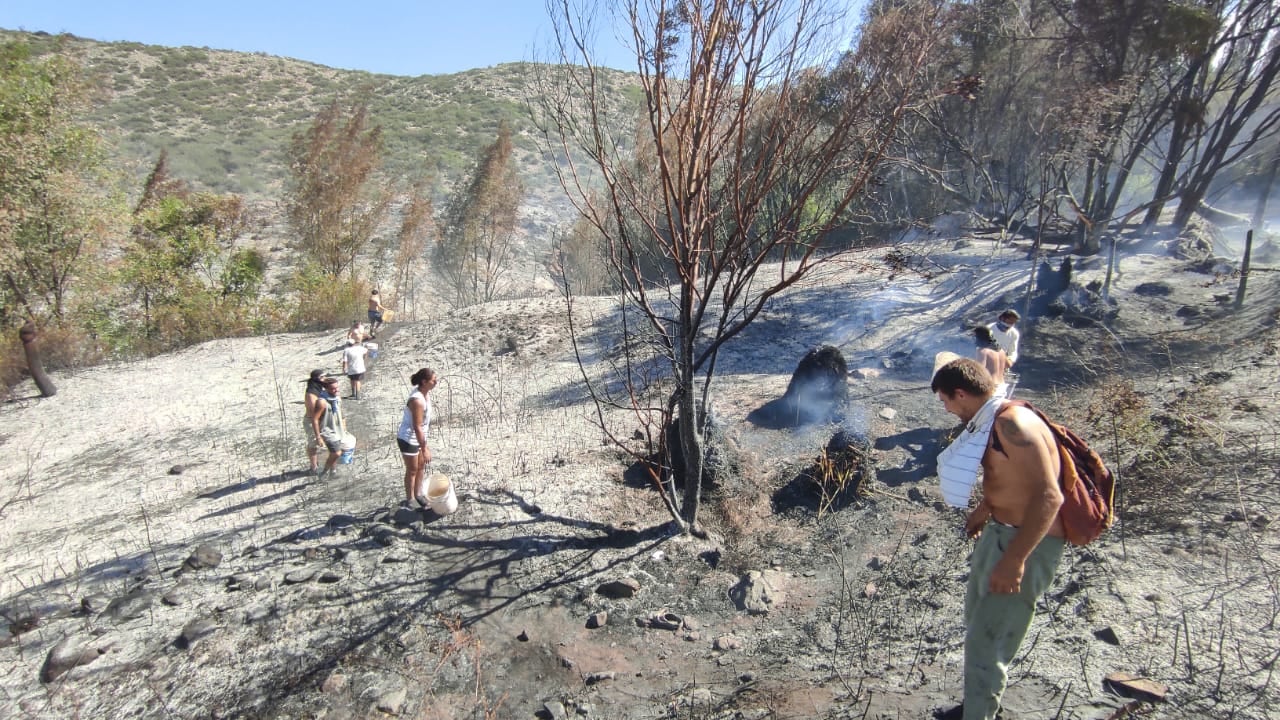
(32,349)
(1244,270)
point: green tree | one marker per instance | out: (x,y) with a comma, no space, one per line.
(54,212)
(475,251)
(184,280)
(335,201)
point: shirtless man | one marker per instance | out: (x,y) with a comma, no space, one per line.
(989,353)
(375,313)
(1018,511)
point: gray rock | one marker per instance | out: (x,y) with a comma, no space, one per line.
(205,556)
(256,614)
(337,522)
(94,604)
(597,620)
(194,631)
(335,683)
(726,643)
(599,677)
(240,581)
(131,606)
(556,710)
(757,592)
(175,597)
(384,535)
(301,575)
(888,413)
(392,701)
(1107,635)
(71,651)
(619,589)
(329,577)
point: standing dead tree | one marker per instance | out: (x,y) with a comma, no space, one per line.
(335,201)
(756,135)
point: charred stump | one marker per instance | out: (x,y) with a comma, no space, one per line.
(845,469)
(819,387)
(31,347)
(841,474)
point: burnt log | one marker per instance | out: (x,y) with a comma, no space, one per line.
(31,347)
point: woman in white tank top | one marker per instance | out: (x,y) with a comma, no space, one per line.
(411,437)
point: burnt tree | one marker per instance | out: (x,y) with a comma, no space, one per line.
(31,347)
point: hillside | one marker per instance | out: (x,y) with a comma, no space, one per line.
(225,116)
(162,543)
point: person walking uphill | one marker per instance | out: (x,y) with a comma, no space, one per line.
(992,358)
(1006,335)
(411,437)
(328,424)
(375,313)
(1020,536)
(353,366)
(315,388)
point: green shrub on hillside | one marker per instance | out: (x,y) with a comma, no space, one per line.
(326,302)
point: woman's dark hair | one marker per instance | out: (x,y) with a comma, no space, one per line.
(421,376)
(315,383)
(963,374)
(985,337)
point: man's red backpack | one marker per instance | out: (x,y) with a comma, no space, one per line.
(1088,487)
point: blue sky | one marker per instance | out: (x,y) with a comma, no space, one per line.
(401,37)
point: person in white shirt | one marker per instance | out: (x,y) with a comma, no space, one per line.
(353,366)
(411,436)
(1006,334)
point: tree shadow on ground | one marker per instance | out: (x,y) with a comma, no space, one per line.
(251,483)
(922,446)
(478,566)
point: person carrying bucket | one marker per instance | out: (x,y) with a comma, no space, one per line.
(327,423)
(411,437)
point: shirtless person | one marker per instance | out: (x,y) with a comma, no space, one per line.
(1018,511)
(375,313)
(989,353)
(315,388)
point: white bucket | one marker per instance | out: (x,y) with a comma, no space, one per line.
(348,446)
(440,495)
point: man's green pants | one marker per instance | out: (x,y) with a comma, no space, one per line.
(996,624)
